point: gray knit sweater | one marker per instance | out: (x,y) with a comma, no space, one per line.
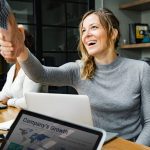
(118,92)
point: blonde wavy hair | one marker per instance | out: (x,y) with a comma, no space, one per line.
(108,22)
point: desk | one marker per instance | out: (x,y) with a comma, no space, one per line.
(8,114)
(116,144)
(121,144)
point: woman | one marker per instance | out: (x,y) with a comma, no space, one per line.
(118,88)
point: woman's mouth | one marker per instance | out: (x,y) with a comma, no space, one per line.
(91,43)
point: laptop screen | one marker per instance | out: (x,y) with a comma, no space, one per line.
(32,131)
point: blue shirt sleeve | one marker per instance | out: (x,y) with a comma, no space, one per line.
(4,13)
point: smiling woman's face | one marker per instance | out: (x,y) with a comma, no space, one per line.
(94,36)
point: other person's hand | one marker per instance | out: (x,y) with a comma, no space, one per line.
(12,39)
(4,101)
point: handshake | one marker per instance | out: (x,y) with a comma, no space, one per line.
(11,35)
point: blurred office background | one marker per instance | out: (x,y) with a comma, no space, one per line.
(54,24)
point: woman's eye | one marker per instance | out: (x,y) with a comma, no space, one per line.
(94,27)
(83,30)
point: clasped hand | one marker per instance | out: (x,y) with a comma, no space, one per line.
(12,39)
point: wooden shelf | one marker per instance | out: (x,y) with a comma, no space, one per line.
(140,45)
(136,5)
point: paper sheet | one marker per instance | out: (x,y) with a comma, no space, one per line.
(6,125)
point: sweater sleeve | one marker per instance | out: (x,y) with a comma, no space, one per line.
(55,76)
(144,137)
(4,13)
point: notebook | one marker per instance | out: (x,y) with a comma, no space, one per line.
(33,131)
(69,107)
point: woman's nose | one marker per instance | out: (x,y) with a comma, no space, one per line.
(88,33)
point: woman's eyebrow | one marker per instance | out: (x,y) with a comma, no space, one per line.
(91,24)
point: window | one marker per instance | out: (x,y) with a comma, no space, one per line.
(54,23)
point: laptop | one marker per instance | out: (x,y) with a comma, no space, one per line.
(33,131)
(68,107)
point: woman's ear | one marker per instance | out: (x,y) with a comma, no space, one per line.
(22,30)
(115,34)
(21,27)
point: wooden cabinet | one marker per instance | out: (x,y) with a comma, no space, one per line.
(136,5)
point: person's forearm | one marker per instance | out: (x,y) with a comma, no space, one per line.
(23,55)
(144,137)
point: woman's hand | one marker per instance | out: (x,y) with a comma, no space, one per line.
(12,39)
(4,101)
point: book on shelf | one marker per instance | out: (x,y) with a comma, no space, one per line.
(132,39)
(137,32)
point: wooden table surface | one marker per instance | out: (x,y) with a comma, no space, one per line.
(8,114)
(116,144)
(121,144)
